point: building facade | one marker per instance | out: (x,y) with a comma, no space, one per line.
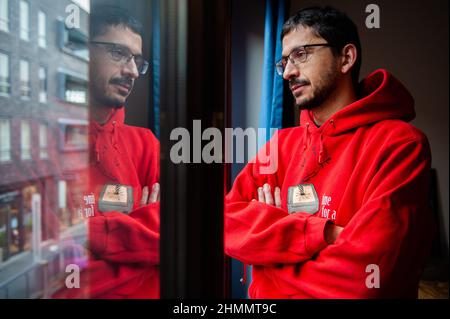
(44,64)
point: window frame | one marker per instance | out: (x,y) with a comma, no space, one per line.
(43,98)
(9,74)
(21,29)
(24,97)
(25,153)
(43,143)
(43,37)
(2,148)
(7,19)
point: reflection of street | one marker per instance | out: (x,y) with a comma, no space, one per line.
(24,277)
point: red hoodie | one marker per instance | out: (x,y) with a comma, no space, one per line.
(123,246)
(369,170)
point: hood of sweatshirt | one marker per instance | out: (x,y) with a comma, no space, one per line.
(382,97)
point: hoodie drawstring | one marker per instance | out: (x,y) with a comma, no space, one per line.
(306,137)
(114,136)
(322,151)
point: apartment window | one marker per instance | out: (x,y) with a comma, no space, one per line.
(42,84)
(74,135)
(25,140)
(73,41)
(42,29)
(25,90)
(72,88)
(4,15)
(5,140)
(5,86)
(43,151)
(24,20)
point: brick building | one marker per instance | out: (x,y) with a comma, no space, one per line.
(43,121)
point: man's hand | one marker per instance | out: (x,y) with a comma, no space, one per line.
(154,195)
(331,232)
(265,195)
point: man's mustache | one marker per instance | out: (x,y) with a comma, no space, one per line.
(122,81)
(293,82)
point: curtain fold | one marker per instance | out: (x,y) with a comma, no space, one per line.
(156,52)
(271,115)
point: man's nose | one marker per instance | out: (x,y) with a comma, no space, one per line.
(290,71)
(130,69)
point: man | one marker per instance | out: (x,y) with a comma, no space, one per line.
(345,215)
(122,195)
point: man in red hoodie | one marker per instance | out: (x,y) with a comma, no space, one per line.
(345,214)
(121,199)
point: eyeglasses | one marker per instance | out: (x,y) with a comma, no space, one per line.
(297,56)
(121,53)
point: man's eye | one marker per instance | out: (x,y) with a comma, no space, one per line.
(299,55)
(118,53)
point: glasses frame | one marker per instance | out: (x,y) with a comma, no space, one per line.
(281,68)
(145,64)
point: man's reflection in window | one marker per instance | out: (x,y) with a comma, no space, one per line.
(121,199)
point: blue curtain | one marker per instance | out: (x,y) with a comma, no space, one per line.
(154,66)
(271,115)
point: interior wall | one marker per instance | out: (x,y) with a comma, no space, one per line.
(411,43)
(247,50)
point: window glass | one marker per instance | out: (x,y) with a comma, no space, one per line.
(5,85)
(67,173)
(4,16)
(24,20)
(42,29)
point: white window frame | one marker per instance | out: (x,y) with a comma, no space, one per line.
(42,29)
(4,18)
(5,140)
(43,141)
(25,140)
(43,89)
(6,83)
(25,83)
(24,20)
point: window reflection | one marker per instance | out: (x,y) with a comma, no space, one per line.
(48,161)
(43,145)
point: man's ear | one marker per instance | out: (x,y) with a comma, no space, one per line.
(348,57)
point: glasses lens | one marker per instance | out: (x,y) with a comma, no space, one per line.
(280,68)
(299,56)
(143,67)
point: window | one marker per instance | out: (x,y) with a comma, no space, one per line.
(5,86)
(42,84)
(73,41)
(5,140)
(73,88)
(42,29)
(24,20)
(25,90)
(43,152)
(73,135)
(4,13)
(25,137)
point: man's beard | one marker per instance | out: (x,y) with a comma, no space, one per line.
(322,92)
(109,101)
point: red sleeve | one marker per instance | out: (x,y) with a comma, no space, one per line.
(126,239)
(261,234)
(392,230)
